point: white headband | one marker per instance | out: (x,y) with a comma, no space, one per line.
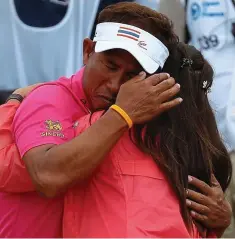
(149,51)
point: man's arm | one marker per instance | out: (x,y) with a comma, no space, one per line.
(55,167)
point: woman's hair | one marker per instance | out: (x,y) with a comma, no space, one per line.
(185,140)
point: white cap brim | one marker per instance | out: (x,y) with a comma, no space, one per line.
(148,64)
(149,51)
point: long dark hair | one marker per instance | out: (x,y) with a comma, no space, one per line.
(185,140)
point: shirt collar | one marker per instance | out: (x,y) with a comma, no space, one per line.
(77,88)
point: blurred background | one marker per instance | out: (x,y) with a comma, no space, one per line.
(41,40)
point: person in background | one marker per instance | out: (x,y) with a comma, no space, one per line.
(41,40)
(211,29)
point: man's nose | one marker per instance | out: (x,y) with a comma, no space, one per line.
(115,83)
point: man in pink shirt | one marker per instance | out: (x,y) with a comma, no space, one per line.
(44,126)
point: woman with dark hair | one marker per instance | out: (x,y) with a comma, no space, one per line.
(129,195)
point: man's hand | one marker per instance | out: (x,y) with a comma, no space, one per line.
(209,207)
(143,99)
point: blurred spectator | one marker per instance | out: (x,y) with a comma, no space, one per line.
(41,13)
(41,39)
(211,28)
(176,11)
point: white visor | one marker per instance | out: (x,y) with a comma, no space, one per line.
(149,51)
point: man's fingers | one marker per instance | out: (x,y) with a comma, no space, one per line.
(197,197)
(202,186)
(140,77)
(157,79)
(199,208)
(170,93)
(165,85)
(168,105)
(199,217)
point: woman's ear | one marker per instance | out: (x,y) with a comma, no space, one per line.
(88,49)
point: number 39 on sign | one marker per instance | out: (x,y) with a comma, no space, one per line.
(208,42)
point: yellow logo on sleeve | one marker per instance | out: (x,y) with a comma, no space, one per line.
(53,125)
(54,129)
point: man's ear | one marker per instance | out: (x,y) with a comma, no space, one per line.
(88,49)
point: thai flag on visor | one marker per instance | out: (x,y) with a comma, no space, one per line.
(128,33)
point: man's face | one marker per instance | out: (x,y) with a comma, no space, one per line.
(105,72)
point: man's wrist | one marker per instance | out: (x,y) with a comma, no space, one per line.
(124,115)
(117,119)
(16,97)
